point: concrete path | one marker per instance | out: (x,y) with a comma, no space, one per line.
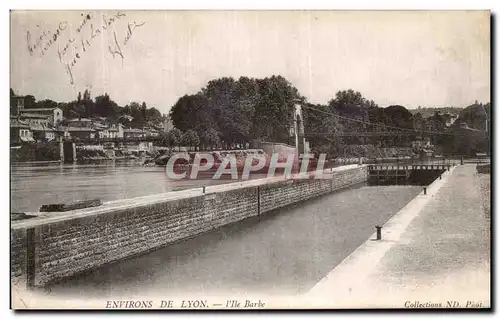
(434,253)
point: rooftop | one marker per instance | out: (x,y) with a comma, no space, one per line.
(40,127)
(34,116)
(80,129)
(133,130)
(80,120)
(39,109)
(18,124)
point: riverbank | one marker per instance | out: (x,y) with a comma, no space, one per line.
(435,253)
(36,162)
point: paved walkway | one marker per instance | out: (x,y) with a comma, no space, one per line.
(435,252)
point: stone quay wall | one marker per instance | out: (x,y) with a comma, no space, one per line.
(58,245)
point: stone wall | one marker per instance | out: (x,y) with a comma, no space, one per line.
(64,245)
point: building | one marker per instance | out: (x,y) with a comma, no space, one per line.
(43,132)
(53,115)
(151,131)
(35,119)
(81,132)
(116,131)
(102,131)
(133,133)
(20,131)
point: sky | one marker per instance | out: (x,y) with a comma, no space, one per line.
(410,58)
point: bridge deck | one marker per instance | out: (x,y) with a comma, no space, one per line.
(390,167)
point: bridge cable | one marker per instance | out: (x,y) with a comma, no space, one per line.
(379,124)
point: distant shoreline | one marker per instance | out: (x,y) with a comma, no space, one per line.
(34,162)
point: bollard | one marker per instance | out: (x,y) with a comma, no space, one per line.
(379,232)
(461,160)
(203,189)
(425,190)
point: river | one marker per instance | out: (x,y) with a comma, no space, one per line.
(33,185)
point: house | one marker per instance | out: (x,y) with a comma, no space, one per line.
(43,132)
(81,132)
(35,118)
(116,131)
(20,131)
(133,133)
(54,115)
(151,131)
(102,131)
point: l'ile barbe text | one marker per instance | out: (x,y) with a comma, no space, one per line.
(188,304)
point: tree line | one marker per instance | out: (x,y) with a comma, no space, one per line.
(134,114)
(233,112)
(228,112)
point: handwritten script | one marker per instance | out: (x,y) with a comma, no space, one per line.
(116,50)
(71,48)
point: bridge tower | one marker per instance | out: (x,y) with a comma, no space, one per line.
(300,141)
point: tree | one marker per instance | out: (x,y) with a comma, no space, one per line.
(153,113)
(324,129)
(46,104)
(211,138)
(348,99)
(230,106)
(88,104)
(275,109)
(13,102)
(86,95)
(105,106)
(352,105)
(191,112)
(143,111)
(399,116)
(136,111)
(29,102)
(173,137)
(190,138)
(476,116)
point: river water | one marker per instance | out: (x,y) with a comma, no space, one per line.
(33,185)
(38,184)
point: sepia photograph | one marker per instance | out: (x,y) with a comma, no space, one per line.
(250,159)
